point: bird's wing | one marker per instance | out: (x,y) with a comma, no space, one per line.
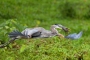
(34,32)
(71,36)
(26,31)
(74,36)
(78,35)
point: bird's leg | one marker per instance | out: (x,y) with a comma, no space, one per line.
(61,36)
(29,36)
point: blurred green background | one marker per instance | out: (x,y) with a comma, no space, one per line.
(44,9)
(21,14)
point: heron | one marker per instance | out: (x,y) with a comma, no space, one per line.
(39,32)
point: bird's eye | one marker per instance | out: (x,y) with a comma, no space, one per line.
(55,24)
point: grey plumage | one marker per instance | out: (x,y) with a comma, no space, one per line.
(75,35)
(36,32)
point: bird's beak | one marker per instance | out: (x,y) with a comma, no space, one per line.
(65,29)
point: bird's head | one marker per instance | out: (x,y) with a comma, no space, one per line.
(65,29)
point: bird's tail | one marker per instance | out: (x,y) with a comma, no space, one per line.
(16,34)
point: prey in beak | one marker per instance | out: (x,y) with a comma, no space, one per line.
(65,29)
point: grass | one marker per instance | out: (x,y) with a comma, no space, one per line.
(51,48)
(22,14)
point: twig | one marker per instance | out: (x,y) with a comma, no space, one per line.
(5,44)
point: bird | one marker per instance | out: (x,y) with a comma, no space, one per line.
(38,32)
(74,36)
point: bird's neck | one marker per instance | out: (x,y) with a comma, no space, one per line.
(54,31)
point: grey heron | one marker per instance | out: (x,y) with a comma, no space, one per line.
(38,32)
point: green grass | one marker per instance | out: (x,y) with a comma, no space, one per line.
(51,48)
(22,14)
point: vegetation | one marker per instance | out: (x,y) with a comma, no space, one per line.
(21,14)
